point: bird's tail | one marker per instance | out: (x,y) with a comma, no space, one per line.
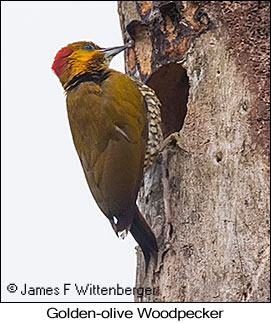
(144,236)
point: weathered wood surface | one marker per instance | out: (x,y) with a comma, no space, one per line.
(208,201)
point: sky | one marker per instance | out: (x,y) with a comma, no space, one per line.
(52,231)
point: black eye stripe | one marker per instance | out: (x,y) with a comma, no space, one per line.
(88,47)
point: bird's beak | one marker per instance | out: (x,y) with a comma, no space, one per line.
(112,51)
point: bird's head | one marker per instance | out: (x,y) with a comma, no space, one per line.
(82,57)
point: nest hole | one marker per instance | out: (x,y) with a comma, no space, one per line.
(171,85)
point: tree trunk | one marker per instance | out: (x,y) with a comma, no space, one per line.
(207,197)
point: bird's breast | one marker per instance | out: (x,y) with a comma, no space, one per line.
(107,123)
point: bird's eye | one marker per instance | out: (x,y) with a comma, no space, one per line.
(88,47)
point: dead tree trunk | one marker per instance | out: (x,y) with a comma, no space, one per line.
(207,197)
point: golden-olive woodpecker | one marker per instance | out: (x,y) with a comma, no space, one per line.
(115,124)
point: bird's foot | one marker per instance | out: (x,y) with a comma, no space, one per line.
(123,234)
(173,139)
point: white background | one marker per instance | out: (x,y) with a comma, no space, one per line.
(52,231)
(232,313)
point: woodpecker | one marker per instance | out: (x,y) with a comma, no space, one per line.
(115,125)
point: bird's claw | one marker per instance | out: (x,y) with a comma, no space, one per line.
(173,139)
(123,234)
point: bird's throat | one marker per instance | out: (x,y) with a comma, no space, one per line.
(97,78)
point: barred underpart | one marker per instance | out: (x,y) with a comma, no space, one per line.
(155,135)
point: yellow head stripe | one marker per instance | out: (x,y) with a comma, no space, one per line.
(81,59)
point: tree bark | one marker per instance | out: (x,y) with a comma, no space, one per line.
(207,196)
